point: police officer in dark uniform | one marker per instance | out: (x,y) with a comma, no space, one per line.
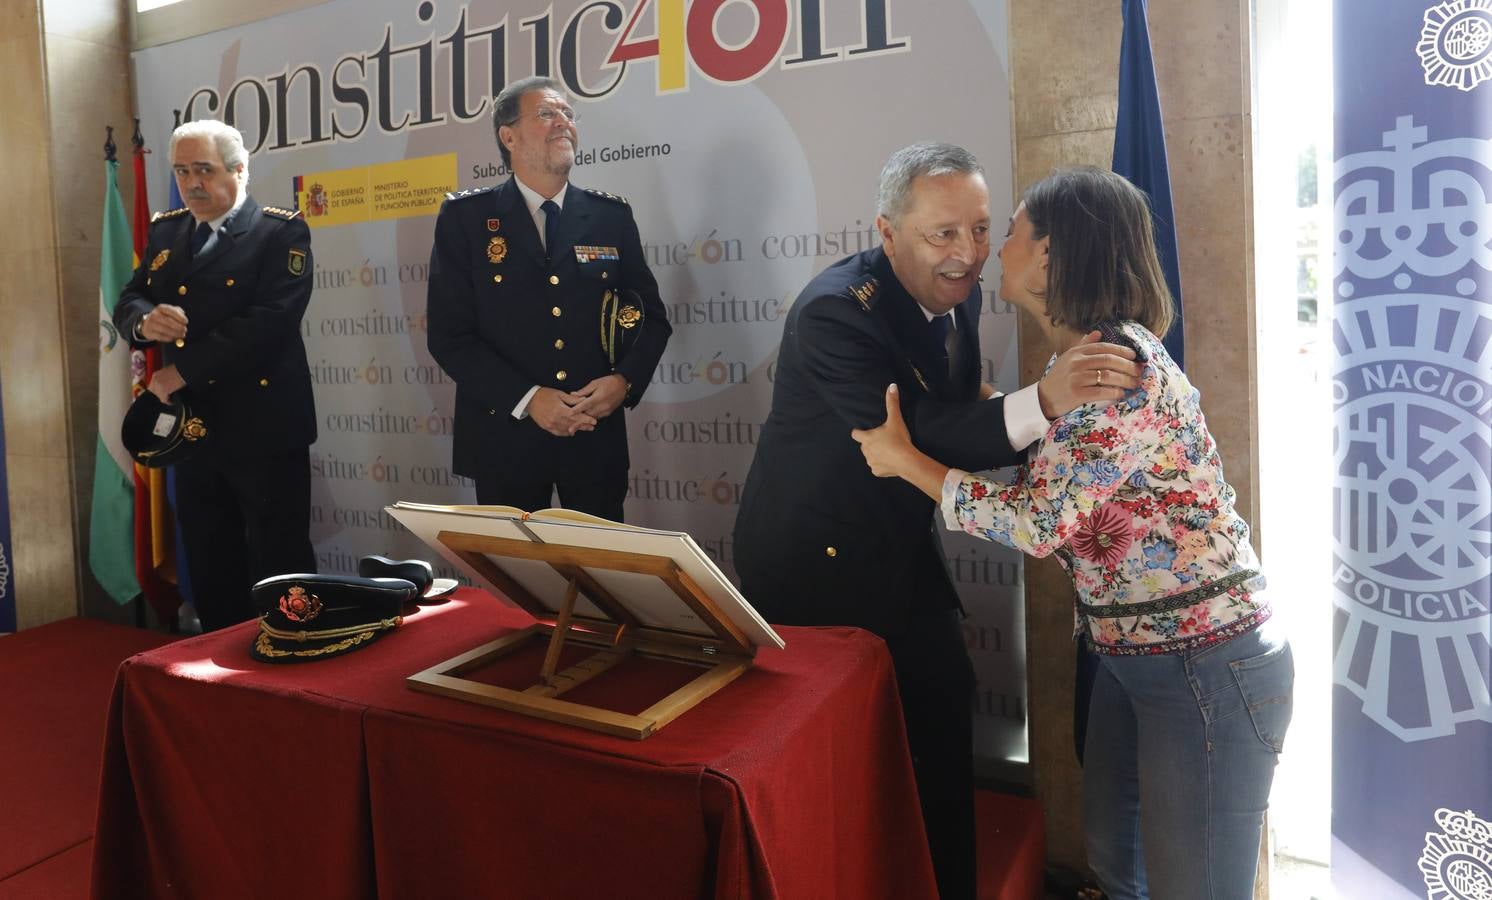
(543,311)
(221,288)
(820,540)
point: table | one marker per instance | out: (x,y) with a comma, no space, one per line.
(224,777)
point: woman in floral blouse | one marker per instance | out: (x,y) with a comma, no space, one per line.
(1193,694)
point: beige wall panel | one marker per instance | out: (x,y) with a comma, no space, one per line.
(1038,156)
(1053,95)
(41,532)
(99,22)
(1198,48)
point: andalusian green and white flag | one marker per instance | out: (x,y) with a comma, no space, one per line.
(111,549)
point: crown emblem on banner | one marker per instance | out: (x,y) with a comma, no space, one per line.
(1455,45)
(1381,229)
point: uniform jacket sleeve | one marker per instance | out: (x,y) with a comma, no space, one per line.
(642,356)
(134,300)
(850,360)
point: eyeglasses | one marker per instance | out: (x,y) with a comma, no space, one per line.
(943,237)
(548,114)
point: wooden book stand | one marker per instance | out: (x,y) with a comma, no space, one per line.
(616,634)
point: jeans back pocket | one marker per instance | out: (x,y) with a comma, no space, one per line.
(1267,682)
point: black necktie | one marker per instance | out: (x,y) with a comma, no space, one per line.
(200,236)
(551,225)
(942,326)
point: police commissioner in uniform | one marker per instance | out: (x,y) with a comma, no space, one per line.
(505,315)
(243,497)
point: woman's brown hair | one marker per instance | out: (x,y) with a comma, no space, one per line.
(1101,261)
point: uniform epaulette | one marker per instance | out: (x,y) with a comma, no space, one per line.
(865,292)
(168,214)
(621,200)
(469,192)
(286,214)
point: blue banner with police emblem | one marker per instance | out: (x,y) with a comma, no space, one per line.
(1412,391)
(7,569)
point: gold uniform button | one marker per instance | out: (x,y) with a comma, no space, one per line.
(264,382)
(830,551)
(560,375)
(555,312)
(554,279)
(497,279)
(229,282)
(181,290)
(180,342)
(559,343)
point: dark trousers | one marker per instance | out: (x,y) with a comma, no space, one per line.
(936,682)
(583,482)
(243,519)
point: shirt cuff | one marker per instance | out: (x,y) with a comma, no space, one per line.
(951,482)
(1024,423)
(521,410)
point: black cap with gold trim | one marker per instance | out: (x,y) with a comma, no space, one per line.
(308,617)
(621,318)
(162,434)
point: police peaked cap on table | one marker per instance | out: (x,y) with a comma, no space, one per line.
(160,434)
(309,617)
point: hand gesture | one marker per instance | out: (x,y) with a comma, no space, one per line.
(601,397)
(165,382)
(887,447)
(1091,372)
(557,412)
(164,323)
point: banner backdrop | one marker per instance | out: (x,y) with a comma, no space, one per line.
(1412,721)
(748,136)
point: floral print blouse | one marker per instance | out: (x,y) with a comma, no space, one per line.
(1131,499)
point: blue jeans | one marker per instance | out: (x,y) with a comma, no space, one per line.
(1180,754)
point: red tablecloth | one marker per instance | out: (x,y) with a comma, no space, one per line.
(224,777)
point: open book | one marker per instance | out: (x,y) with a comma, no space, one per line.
(653,602)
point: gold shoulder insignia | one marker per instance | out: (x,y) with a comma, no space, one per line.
(865,292)
(468,192)
(278,213)
(621,200)
(168,214)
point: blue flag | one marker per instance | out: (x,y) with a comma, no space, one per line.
(1140,152)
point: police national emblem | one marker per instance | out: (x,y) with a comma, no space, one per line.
(297,263)
(497,250)
(1457,860)
(160,260)
(1455,44)
(300,606)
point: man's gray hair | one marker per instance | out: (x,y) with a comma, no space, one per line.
(225,138)
(910,163)
(507,107)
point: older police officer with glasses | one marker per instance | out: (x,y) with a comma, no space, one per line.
(543,311)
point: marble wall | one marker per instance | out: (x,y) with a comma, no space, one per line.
(67,71)
(1064,75)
